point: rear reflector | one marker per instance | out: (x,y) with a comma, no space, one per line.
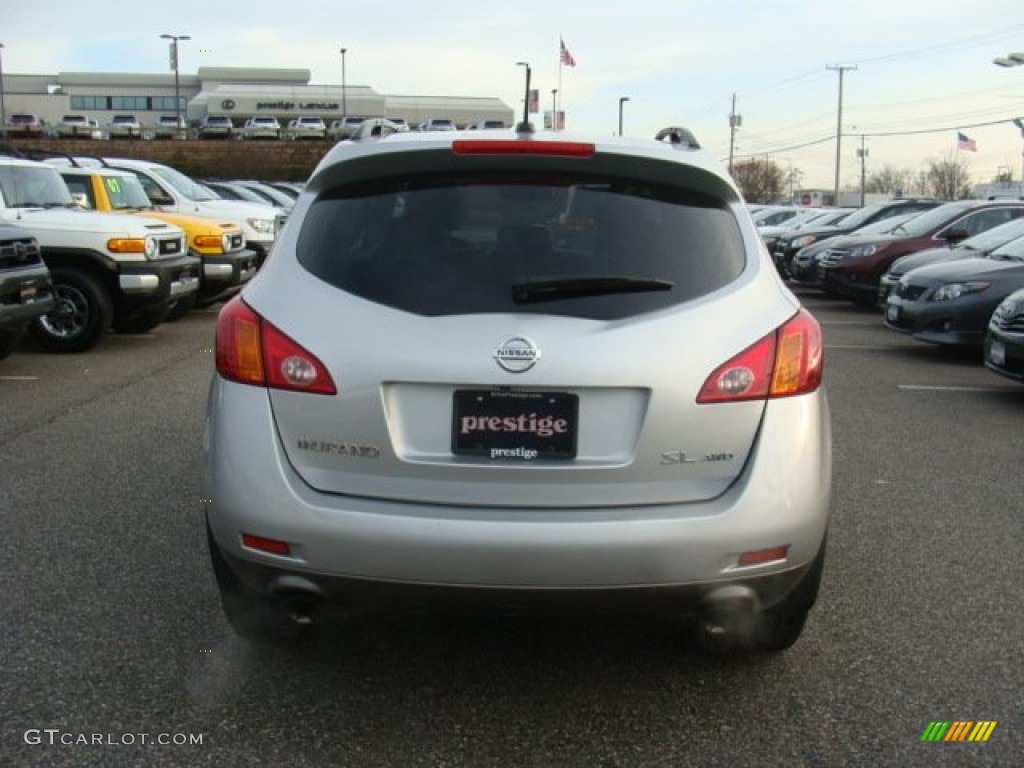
(759,556)
(273,546)
(522,147)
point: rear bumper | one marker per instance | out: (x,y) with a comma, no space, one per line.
(782,498)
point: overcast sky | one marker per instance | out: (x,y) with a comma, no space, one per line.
(922,65)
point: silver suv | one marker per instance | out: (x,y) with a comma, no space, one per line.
(550,366)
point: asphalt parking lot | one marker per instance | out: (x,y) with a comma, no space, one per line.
(113,641)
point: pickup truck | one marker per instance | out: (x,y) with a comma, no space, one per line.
(108,270)
(226,264)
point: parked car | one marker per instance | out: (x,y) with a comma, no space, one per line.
(231,190)
(774,215)
(225,263)
(268,193)
(437,124)
(421,390)
(306,128)
(786,247)
(1004,338)
(170,190)
(770,233)
(980,245)
(216,127)
(26,290)
(951,303)
(486,125)
(292,189)
(108,270)
(803,269)
(261,128)
(25,125)
(344,127)
(854,265)
(124,127)
(74,126)
(169,127)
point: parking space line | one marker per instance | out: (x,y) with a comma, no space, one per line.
(19,378)
(940,388)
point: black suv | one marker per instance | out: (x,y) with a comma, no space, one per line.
(786,246)
(25,289)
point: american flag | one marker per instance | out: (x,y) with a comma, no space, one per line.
(566,57)
(962,142)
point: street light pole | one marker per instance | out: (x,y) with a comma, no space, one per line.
(177,88)
(3,111)
(554,109)
(622,100)
(524,126)
(862,153)
(344,104)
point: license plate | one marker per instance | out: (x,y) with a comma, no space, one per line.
(27,294)
(892,313)
(997,353)
(509,425)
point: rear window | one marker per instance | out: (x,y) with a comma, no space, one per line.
(478,242)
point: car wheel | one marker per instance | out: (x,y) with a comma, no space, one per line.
(141,323)
(179,308)
(9,342)
(81,316)
(774,629)
(253,615)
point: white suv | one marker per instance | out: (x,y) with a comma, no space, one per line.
(552,366)
(306,128)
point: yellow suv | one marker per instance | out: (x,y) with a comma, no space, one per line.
(227,263)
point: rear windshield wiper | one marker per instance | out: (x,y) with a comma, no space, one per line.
(535,291)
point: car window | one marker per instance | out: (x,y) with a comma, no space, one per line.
(81,191)
(981,221)
(477,242)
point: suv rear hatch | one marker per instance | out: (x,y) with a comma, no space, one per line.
(529,331)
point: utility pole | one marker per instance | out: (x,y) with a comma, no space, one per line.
(735,121)
(862,153)
(839,123)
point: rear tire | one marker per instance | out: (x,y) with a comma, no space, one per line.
(81,316)
(776,628)
(253,615)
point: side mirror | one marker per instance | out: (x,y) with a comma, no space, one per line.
(955,235)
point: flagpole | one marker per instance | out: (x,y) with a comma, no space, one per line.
(558,101)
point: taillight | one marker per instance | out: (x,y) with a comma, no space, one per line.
(252,351)
(788,361)
(522,147)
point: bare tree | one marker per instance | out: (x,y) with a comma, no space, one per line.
(761,181)
(891,181)
(949,178)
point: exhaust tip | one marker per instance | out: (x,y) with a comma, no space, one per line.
(730,611)
(299,598)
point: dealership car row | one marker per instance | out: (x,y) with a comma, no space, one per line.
(99,244)
(945,273)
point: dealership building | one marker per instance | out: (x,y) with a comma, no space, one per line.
(238,92)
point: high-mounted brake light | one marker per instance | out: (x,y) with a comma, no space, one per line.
(252,351)
(522,147)
(786,362)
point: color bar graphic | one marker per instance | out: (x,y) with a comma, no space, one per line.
(958,730)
